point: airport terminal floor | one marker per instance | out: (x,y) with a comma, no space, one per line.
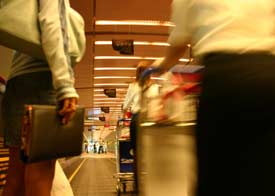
(166,166)
(92,174)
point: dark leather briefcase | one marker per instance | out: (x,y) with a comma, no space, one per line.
(44,137)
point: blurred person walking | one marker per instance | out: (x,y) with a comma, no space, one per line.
(35,81)
(235,40)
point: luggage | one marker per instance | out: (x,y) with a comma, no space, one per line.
(166,145)
(44,137)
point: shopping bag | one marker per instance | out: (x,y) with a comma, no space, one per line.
(44,137)
(19,28)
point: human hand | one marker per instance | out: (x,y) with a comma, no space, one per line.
(68,108)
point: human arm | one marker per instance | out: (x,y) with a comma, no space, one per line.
(180,35)
(172,56)
(54,44)
(128,98)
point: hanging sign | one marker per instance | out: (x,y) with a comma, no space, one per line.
(111,92)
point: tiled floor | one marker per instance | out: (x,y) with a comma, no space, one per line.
(95,176)
(167,166)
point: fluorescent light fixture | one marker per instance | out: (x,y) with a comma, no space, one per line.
(92,118)
(142,43)
(147,124)
(157,78)
(185,124)
(111,84)
(99,104)
(103,96)
(184,60)
(113,77)
(135,22)
(109,102)
(151,43)
(133,58)
(108,99)
(117,90)
(108,105)
(111,107)
(113,68)
(119,57)
(100,95)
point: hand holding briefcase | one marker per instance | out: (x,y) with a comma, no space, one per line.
(44,137)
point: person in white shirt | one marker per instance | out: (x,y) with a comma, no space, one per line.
(132,99)
(36,81)
(235,41)
(132,103)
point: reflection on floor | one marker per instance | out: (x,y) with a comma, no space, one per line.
(93,175)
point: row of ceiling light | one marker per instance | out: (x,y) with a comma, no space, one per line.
(116,102)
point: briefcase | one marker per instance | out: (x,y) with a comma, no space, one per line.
(44,137)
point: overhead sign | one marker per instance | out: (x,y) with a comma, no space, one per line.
(110,92)
(101,118)
(105,109)
(123,46)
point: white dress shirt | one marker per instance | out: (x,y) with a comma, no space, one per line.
(132,99)
(228,25)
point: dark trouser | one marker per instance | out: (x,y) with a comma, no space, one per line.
(133,135)
(236,126)
(133,129)
(31,88)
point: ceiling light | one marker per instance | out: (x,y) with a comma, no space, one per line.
(142,43)
(151,43)
(113,68)
(135,22)
(147,124)
(114,77)
(157,78)
(111,107)
(119,57)
(112,84)
(184,60)
(108,99)
(102,105)
(117,90)
(109,102)
(105,96)
(134,58)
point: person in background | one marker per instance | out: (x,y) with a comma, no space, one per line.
(132,100)
(132,104)
(86,146)
(105,147)
(36,81)
(235,134)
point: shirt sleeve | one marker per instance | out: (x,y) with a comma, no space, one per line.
(53,44)
(129,97)
(179,16)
